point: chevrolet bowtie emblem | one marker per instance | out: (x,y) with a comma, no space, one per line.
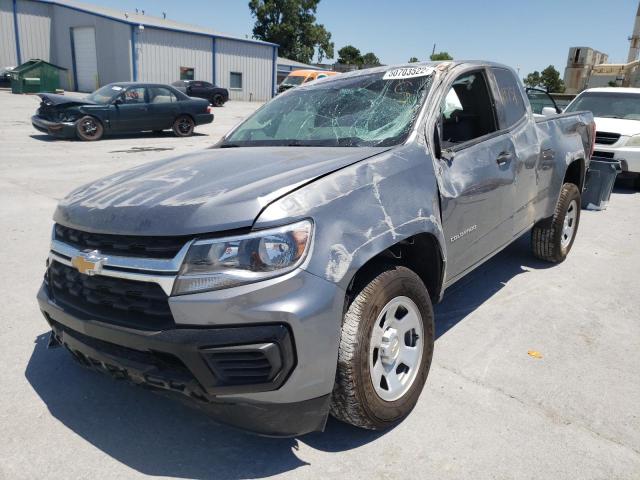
(89,263)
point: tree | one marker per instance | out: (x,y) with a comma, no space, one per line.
(370,59)
(533,80)
(349,55)
(612,83)
(413,60)
(440,56)
(551,80)
(292,25)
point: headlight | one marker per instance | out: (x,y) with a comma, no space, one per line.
(217,263)
(633,141)
(67,117)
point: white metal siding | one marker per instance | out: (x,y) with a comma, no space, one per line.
(7,35)
(161,53)
(254,61)
(34,30)
(84,43)
(113,45)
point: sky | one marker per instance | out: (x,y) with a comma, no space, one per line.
(526,35)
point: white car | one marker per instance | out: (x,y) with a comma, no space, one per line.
(617,115)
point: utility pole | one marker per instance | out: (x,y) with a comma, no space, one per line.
(433,51)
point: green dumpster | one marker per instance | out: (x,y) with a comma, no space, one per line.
(36,76)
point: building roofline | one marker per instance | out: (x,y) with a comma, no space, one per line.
(140,21)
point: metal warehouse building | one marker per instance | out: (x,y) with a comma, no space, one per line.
(99,46)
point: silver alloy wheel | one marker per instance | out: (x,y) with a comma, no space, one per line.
(569,225)
(395,350)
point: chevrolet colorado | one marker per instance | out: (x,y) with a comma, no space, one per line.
(289,271)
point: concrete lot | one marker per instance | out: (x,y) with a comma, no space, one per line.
(489,410)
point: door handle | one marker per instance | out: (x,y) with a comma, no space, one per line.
(503,158)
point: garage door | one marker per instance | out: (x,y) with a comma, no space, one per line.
(84,47)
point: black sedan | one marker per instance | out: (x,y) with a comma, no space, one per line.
(121,108)
(217,96)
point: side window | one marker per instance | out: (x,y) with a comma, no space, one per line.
(235,80)
(322,75)
(134,95)
(161,95)
(467,110)
(513,107)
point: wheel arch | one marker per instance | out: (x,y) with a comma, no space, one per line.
(422,253)
(575,173)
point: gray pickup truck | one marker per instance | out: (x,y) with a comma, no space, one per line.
(289,271)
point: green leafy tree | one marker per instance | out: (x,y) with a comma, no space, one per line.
(533,80)
(612,83)
(349,55)
(292,25)
(370,59)
(440,56)
(413,60)
(550,78)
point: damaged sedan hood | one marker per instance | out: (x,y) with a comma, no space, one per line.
(52,99)
(203,192)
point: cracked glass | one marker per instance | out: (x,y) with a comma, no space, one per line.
(363,110)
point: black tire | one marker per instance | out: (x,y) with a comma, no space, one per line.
(548,241)
(183,126)
(636,182)
(89,129)
(355,400)
(217,101)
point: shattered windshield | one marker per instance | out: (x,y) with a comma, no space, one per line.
(105,94)
(608,105)
(377,109)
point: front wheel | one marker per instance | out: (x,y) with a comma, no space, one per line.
(386,346)
(552,239)
(183,126)
(89,129)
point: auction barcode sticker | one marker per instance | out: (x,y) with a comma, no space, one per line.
(407,72)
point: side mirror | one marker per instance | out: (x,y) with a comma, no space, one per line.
(118,101)
(549,111)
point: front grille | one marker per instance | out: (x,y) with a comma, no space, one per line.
(607,138)
(140,305)
(121,245)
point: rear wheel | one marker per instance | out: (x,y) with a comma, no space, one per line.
(552,239)
(218,101)
(386,347)
(183,126)
(89,129)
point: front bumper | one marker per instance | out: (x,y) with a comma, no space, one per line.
(55,129)
(629,156)
(293,321)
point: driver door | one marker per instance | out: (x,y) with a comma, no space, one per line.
(477,177)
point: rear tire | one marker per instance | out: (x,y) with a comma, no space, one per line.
(218,101)
(552,239)
(375,344)
(89,129)
(183,126)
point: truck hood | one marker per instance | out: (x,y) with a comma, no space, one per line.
(52,99)
(618,125)
(208,191)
